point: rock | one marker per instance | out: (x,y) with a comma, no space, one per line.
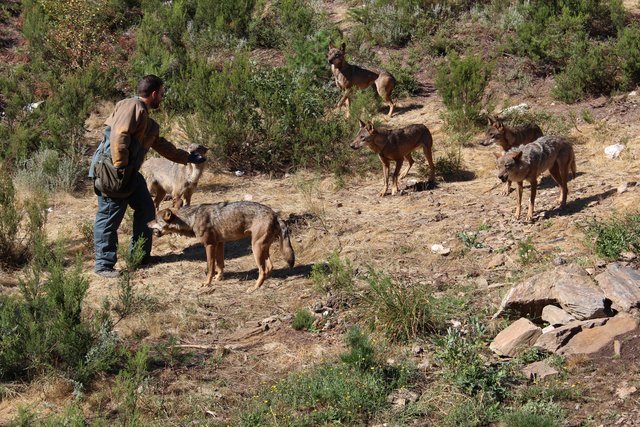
(617,347)
(439,249)
(601,263)
(624,392)
(515,109)
(401,398)
(628,256)
(558,260)
(622,188)
(590,341)
(556,339)
(577,295)
(548,329)
(515,338)
(620,284)
(417,350)
(613,151)
(539,370)
(556,316)
(529,297)
(482,283)
(496,261)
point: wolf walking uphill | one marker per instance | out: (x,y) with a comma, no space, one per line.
(348,76)
(217,223)
(129,133)
(396,145)
(527,162)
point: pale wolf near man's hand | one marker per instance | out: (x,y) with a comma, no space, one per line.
(217,223)
(396,145)
(527,162)
(179,181)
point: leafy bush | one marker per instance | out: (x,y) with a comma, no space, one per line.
(45,328)
(589,71)
(50,170)
(400,312)
(333,393)
(461,83)
(334,276)
(627,51)
(303,319)
(615,235)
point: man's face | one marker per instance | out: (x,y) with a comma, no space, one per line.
(156,97)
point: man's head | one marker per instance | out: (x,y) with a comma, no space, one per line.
(151,90)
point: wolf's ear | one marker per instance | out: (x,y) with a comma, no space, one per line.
(517,156)
(167,215)
(370,127)
(361,123)
(343,46)
(499,124)
(490,121)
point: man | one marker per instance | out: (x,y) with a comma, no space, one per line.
(129,133)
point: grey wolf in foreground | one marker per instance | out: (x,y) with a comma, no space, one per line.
(527,162)
(347,76)
(179,181)
(396,145)
(508,137)
(217,223)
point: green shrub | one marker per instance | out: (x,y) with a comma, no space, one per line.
(460,356)
(627,51)
(303,319)
(401,312)
(461,83)
(589,71)
(128,301)
(335,276)
(537,413)
(128,384)
(610,237)
(50,170)
(332,393)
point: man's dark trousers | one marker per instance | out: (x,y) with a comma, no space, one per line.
(110,215)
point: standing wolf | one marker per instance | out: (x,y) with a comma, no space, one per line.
(396,145)
(217,223)
(508,137)
(347,76)
(527,162)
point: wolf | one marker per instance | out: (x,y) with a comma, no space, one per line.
(217,223)
(179,181)
(396,145)
(347,76)
(527,162)
(508,137)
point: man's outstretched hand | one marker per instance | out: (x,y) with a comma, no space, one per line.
(196,158)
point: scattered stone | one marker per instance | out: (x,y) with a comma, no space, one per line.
(539,370)
(620,284)
(592,203)
(402,397)
(515,338)
(556,316)
(558,260)
(613,151)
(628,256)
(482,283)
(624,392)
(548,329)
(576,293)
(589,341)
(556,339)
(338,205)
(529,297)
(601,263)
(590,271)
(617,347)
(622,188)
(496,285)
(439,249)
(497,261)
(417,350)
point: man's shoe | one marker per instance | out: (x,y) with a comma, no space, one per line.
(109,274)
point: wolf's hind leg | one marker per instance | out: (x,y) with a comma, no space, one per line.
(409,159)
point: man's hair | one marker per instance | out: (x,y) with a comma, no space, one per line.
(148,84)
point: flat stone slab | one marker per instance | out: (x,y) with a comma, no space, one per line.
(529,297)
(515,338)
(539,370)
(557,338)
(556,316)
(621,284)
(592,340)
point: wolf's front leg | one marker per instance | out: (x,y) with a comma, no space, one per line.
(506,189)
(385,176)
(519,198)
(219,261)
(210,249)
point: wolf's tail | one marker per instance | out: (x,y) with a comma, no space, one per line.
(285,244)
